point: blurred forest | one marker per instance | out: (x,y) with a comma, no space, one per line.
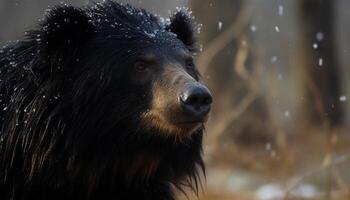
(279,72)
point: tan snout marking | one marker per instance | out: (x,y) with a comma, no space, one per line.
(165,102)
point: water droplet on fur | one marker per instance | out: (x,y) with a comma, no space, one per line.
(13,63)
(150,35)
(199,28)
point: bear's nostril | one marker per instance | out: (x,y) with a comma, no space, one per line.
(207,100)
(195,101)
(191,100)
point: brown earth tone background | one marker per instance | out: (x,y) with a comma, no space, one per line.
(279,71)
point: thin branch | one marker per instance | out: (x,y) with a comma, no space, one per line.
(232,116)
(295,181)
(343,185)
(239,65)
(222,40)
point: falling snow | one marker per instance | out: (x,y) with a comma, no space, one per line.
(342,98)
(277,29)
(269,191)
(244,43)
(199,28)
(320,61)
(287,113)
(150,35)
(220,25)
(319,36)
(253,28)
(280,10)
(280,76)
(274,59)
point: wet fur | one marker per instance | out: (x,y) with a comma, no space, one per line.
(65,131)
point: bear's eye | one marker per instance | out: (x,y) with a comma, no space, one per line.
(189,64)
(140,66)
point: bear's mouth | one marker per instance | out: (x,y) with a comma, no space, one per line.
(152,120)
(190,125)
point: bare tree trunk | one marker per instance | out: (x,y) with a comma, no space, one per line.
(320,66)
(228,64)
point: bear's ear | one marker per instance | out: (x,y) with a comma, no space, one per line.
(181,24)
(64,27)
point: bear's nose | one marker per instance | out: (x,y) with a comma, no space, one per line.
(195,101)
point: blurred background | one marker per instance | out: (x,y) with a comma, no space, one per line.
(279,72)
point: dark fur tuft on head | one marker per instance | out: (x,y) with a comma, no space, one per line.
(181,24)
(66,26)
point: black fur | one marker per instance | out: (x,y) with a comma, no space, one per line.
(70,124)
(182,25)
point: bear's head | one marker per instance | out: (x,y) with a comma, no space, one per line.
(123,65)
(100,94)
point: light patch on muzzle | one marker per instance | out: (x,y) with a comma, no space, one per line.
(165,115)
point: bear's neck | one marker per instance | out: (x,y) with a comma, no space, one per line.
(142,165)
(163,165)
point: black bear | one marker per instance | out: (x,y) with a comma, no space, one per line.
(102,102)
